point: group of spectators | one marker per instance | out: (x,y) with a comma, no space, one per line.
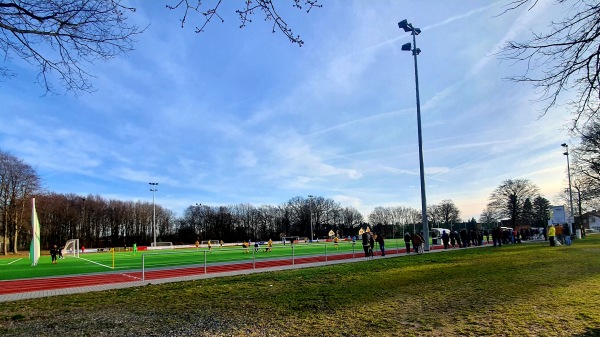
(464,238)
(468,238)
(416,240)
(559,235)
(368,243)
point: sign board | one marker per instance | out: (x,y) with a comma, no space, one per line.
(558,215)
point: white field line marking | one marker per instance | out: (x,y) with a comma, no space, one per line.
(94,262)
(131,276)
(15,261)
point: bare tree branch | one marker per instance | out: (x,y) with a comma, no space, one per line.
(59,37)
(267,7)
(563,60)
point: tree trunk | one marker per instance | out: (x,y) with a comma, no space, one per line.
(5,234)
(15,237)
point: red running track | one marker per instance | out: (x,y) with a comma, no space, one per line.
(64,282)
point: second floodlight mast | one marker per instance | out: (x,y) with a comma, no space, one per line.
(408,27)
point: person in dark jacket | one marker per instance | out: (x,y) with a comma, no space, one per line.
(53,253)
(452,239)
(371,245)
(464,237)
(445,239)
(365,243)
(407,241)
(381,243)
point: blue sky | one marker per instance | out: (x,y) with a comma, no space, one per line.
(243,116)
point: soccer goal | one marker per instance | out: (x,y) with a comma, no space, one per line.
(71,248)
(212,242)
(290,239)
(162,244)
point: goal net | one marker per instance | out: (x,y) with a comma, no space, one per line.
(162,244)
(290,239)
(71,248)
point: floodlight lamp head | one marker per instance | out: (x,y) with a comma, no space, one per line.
(564,145)
(417,51)
(417,31)
(407,47)
(566,153)
(405,25)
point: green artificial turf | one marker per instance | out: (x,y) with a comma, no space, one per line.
(20,267)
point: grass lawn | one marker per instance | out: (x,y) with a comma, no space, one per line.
(516,290)
(12,268)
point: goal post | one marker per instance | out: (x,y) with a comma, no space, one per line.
(71,248)
(290,239)
(162,244)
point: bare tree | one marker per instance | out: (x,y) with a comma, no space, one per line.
(18,181)
(57,37)
(245,14)
(488,217)
(508,199)
(61,37)
(586,157)
(449,212)
(351,217)
(564,59)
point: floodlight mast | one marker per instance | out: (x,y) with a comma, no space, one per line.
(572,219)
(153,190)
(310,197)
(408,27)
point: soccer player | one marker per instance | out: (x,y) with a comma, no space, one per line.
(269,245)
(245,244)
(209,246)
(335,242)
(53,252)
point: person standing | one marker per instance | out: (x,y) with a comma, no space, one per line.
(336,242)
(407,240)
(558,234)
(551,234)
(452,239)
(417,242)
(445,239)
(497,236)
(53,253)
(567,234)
(371,245)
(381,243)
(457,236)
(365,243)
(464,237)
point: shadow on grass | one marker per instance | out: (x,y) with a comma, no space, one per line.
(589,332)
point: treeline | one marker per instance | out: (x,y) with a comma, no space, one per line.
(98,222)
